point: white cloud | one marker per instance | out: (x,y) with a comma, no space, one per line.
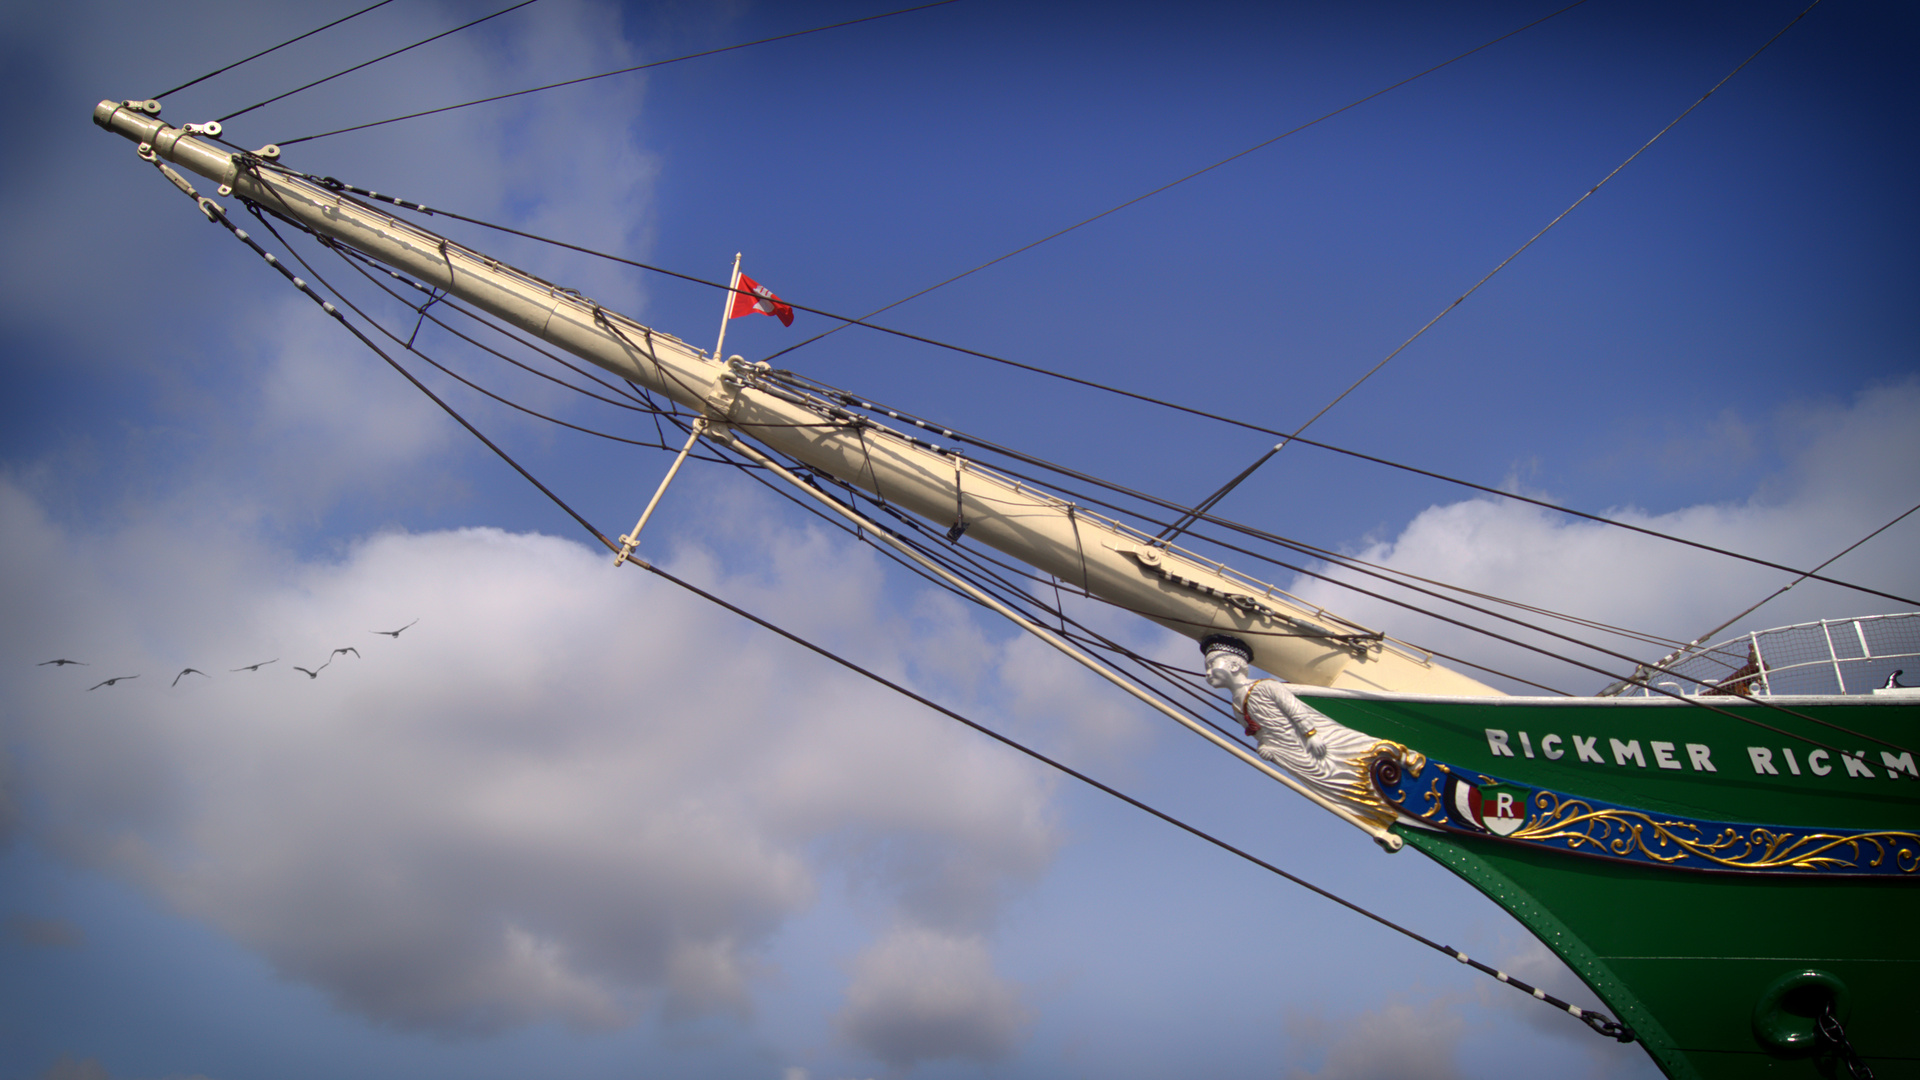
(332,415)
(1850,470)
(569,793)
(922,995)
(1401,1039)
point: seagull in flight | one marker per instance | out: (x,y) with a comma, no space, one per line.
(258,666)
(184,672)
(111,681)
(315,673)
(64,663)
(394,634)
(337,652)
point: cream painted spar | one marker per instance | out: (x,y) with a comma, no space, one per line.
(1179,591)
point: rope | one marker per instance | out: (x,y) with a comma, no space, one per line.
(1271,538)
(609,74)
(375,60)
(263,52)
(1192,175)
(1596,1021)
(1770,597)
(1235,482)
(338,185)
(1542,651)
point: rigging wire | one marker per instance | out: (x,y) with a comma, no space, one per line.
(1504,638)
(263,52)
(610,74)
(342,186)
(361,263)
(1210,500)
(1172,184)
(1328,556)
(1269,537)
(980,575)
(375,60)
(1634,680)
(1770,597)
(1200,704)
(848,399)
(1598,1022)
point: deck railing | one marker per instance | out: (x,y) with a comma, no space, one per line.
(1832,656)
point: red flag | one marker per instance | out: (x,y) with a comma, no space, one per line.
(754,297)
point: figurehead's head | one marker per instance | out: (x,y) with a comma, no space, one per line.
(1226,643)
(1227,659)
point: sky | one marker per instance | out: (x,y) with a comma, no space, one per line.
(574,821)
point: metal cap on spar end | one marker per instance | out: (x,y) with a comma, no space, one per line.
(133,121)
(128,118)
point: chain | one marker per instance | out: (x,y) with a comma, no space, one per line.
(1834,1036)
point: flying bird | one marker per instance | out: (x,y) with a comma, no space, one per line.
(184,672)
(111,681)
(314,674)
(394,634)
(64,663)
(258,666)
(337,652)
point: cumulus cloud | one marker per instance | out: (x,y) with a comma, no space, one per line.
(1406,1040)
(569,793)
(1849,470)
(922,995)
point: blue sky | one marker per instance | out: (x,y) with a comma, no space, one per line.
(577,822)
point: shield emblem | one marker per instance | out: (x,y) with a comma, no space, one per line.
(1502,808)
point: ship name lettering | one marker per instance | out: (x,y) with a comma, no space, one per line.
(1819,762)
(1497,743)
(1629,749)
(1699,757)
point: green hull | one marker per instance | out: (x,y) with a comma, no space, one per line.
(1686,956)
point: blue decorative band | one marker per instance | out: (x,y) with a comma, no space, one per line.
(1460,800)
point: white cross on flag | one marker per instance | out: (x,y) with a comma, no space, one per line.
(755,298)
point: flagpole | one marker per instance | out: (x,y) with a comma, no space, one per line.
(726,314)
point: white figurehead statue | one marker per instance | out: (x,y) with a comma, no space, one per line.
(1334,760)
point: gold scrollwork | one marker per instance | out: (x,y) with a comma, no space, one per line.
(1633,834)
(1380,766)
(1626,833)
